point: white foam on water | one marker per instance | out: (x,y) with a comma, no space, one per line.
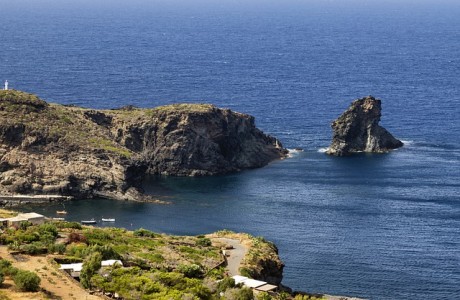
(407,143)
(293,152)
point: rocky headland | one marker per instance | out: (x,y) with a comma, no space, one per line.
(358,130)
(51,149)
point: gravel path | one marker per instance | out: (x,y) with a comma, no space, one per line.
(235,255)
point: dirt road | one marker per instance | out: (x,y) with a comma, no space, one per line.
(235,255)
(53,280)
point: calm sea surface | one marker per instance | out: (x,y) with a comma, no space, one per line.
(376,226)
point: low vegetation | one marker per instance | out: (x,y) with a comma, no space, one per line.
(25,281)
(50,123)
(183,107)
(155,266)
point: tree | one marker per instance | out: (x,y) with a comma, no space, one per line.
(90,266)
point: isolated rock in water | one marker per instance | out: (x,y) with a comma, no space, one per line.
(358,130)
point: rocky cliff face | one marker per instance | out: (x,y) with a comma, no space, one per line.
(52,149)
(358,130)
(197,140)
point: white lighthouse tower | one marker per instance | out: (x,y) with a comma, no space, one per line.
(6,85)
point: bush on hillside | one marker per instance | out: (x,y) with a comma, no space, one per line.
(191,271)
(90,266)
(225,284)
(145,233)
(27,281)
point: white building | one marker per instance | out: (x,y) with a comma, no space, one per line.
(257,285)
(75,269)
(32,217)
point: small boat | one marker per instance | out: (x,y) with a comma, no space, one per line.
(92,221)
(108,220)
(58,219)
(61,212)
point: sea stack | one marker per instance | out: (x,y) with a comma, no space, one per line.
(358,130)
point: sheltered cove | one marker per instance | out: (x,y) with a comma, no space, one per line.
(51,152)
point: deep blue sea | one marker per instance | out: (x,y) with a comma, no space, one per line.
(374,226)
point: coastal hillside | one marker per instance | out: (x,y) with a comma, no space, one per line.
(140,264)
(64,150)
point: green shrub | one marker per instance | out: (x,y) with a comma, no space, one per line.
(5,266)
(141,263)
(196,288)
(27,281)
(23,237)
(244,293)
(34,248)
(56,248)
(48,228)
(97,236)
(224,232)
(191,271)
(68,260)
(106,251)
(246,272)
(65,224)
(47,238)
(23,225)
(145,233)
(169,279)
(217,273)
(263,296)
(225,284)
(77,250)
(12,271)
(204,242)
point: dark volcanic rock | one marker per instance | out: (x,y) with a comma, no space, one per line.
(358,130)
(204,140)
(54,149)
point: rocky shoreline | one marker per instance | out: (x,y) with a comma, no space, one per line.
(75,153)
(16,200)
(51,149)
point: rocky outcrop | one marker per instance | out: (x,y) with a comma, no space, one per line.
(259,259)
(358,130)
(53,149)
(197,140)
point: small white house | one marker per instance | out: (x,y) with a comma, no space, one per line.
(75,269)
(16,221)
(111,262)
(32,217)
